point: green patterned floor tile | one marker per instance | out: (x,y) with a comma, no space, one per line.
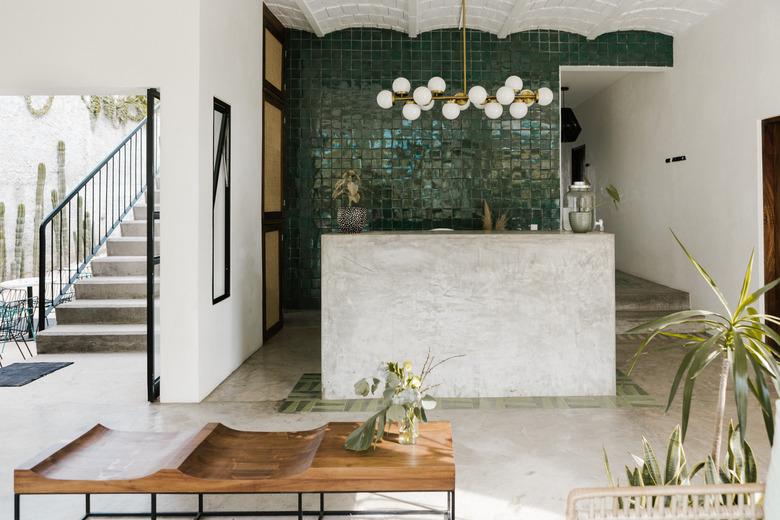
(306,396)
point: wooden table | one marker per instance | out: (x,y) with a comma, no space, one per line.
(220,460)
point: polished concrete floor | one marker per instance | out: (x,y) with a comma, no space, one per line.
(511,463)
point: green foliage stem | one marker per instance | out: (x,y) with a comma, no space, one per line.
(3,246)
(40,183)
(17,269)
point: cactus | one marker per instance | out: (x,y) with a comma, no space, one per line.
(56,232)
(38,215)
(3,248)
(17,268)
(61,170)
(80,236)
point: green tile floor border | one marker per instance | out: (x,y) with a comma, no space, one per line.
(306,396)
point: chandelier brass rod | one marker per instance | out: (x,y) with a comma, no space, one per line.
(463,19)
(526,96)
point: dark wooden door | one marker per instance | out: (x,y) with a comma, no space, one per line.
(771,165)
(272,198)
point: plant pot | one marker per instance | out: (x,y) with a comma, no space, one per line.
(581,221)
(351,219)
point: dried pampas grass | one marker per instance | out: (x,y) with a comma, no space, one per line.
(487,219)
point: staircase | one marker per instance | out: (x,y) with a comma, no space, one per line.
(638,301)
(108,312)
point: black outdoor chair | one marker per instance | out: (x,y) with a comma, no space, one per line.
(15,321)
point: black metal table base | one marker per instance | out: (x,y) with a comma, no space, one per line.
(300,513)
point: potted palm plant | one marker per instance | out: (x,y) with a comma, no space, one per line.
(741,337)
(351,219)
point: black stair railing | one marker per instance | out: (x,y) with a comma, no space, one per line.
(73,233)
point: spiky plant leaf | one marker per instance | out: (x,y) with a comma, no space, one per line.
(651,471)
(704,274)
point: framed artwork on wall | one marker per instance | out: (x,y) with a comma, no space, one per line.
(220,246)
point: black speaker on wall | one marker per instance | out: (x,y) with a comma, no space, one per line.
(570,127)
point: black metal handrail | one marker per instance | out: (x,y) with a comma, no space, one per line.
(101,201)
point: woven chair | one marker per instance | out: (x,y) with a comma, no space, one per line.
(721,502)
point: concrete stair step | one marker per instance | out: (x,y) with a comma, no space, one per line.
(137,228)
(662,301)
(91,338)
(117,311)
(627,320)
(121,266)
(113,288)
(156,196)
(637,294)
(130,246)
(139,211)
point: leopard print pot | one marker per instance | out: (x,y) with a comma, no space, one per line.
(351,219)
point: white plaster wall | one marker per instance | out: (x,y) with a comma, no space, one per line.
(26,140)
(230,69)
(75,50)
(725,80)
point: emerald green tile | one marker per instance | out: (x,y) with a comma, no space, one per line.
(333,124)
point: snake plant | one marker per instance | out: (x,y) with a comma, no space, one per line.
(740,466)
(740,336)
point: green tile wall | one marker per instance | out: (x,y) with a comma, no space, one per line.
(430,172)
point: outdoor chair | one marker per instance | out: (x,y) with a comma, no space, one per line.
(15,320)
(719,502)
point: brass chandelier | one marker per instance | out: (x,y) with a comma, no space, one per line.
(423,98)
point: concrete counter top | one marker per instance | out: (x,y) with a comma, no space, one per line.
(471,233)
(533,312)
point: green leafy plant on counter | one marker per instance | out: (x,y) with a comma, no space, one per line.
(348,185)
(740,337)
(404,401)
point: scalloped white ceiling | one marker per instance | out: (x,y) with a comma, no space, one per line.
(501,17)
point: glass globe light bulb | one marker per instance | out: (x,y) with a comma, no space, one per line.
(428,106)
(385,99)
(505,95)
(422,96)
(477,95)
(437,85)
(401,86)
(450,110)
(411,111)
(515,83)
(545,96)
(494,110)
(518,109)
(465,105)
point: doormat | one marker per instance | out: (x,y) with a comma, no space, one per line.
(306,396)
(20,374)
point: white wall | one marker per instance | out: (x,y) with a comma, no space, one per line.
(230,69)
(176,48)
(725,80)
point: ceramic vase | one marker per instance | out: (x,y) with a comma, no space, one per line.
(351,219)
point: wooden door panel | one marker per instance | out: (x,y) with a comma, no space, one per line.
(771,185)
(272,251)
(272,196)
(274,60)
(272,158)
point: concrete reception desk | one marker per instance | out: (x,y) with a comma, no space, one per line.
(533,312)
